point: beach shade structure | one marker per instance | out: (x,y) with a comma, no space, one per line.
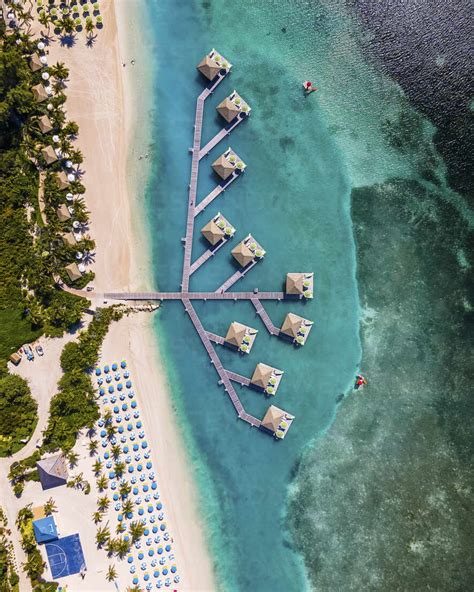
(35,63)
(52,471)
(116,409)
(242,254)
(129,427)
(228,109)
(144,444)
(160,550)
(103,433)
(63,180)
(163,526)
(111,389)
(136,414)
(106,455)
(50,156)
(135,581)
(62,212)
(277,421)
(141,511)
(129,559)
(119,386)
(70,240)
(73,272)
(128,384)
(140,556)
(108,379)
(130,469)
(296,327)
(159,505)
(123,364)
(136,447)
(168,548)
(212,64)
(112,475)
(101,392)
(300,284)
(45,530)
(148,465)
(45,125)
(39,93)
(117,376)
(120,429)
(138,424)
(124,407)
(126,374)
(212,232)
(240,336)
(173,569)
(223,166)
(165,571)
(125,449)
(106,369)
(154,485)
(133,404)
(114,367)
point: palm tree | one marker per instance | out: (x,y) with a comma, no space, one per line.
(24,514)
(111,573)
(112,545)
(120,528)
(115,450)
(119,468)
(110,429)
(50,507)
(102,483)
(103,503)
(72,458)
(93,447)
(134,589)
(108,416)
(45,20)
(136,530)
(128,506)
(59,71)
(97,467)
(102,535)
(124,489)
(122,547)
(97,517)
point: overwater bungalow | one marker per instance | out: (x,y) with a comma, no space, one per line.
(49,155)
(232,106)
(53,470)
(63,213)
(240,337)
(277,421)
(227,163)
(39,92)
(266,379)
(35,63)
(69,239)
(248,251)
(45,124)
(296,327)
(218,229)
(300,284)
(63,180)
(212,64)
(73,272)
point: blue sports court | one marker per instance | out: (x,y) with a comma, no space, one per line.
(65,556)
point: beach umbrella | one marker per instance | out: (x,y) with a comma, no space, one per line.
(163,527)
(173,569)
(133,480)
(127,416)
(116,409)
(151,553)
(103,433)
(154,530)
(145,488)
(76,224)
(98,371)
(160,550)
(135,581)
(138,500)
(100,381)
(50,107)
(135,491)
(147,497)
(129,427)
(116,496)
(114,366)
(133,404)
(157,538)
(152,519)
(159,505)
(120,430)
(123,364)
(165,571)
(146,577)
(135,447)
(168,548)
(124,407)
(45,76)
(140,556)
(44,60)
(125,449)
(120,517)
(156,574)
(130,469)
(132,436)
(156,496)
(130,559)
(113,399)
(104,443)
(126,374)
(139,425)
(162,561)
(68,164)
(108,379)
(128,384)
(101,422)
(117,376)
(112,475)
(161,516)
(143,566)
(40,45)
(118,419)
(119,386)
(71,178)
(137,456)
(106,369)
(144,445)
(109,464)
(139,467)
(147,454)
(141,511)
(136,414)
(128,459)
(106,455)
(113,485)
(154,485)
(122,396)
(150,509)
(117,507)
(111,389)
(142,477)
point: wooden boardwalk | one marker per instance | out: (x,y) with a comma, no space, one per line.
(253,421)
(262,313)
(202,205)
(205,256)
(220,135)
(236,277)
(215,338)
(242,380)
(185,295)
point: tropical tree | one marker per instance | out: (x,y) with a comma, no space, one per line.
(102,483)
(119,468)
(23,515)
(125,489)
(108,416)
(97,517)
(110,429)
(97,467)
(120,528)
(102,535)
(45,20)
(59,71)
(122,547)
(111,573)
(50,507)
(93,444)
(128,506)
(136,530)
(72,458)
(103,503)
(115,450)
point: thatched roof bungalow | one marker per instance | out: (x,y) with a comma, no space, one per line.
(218,229)
(240,337)
(300,284)
(212,64)
(247,251)
(266,378)
(277,421)
(227,163)
(232,106)
(296,327)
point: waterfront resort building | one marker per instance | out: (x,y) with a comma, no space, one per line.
(63,213)
(266,379)
(217,230)
(49,155)
(300,284)
(240,337)
(45,530)
(73,272)
(296,327)
(227,163)
(212,64)
(277,421)
(232,106)
(247,251)
(39,93)
(52,471)
(45,124)
(35,63)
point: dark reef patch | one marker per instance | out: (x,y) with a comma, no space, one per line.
(385,499)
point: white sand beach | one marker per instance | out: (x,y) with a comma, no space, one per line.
(101,99)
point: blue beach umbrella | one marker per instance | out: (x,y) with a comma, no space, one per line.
(123,364)
(133,404)
(154,485)
(125,449)
(117,376)
(146,577)
(111,389)
(163,526)
(98,372)
(129,427)
(140,556)
(145,488)
(135,491)
(120,517)
(160,550)
(114,366)
(154,529)
(150,509)
(130,469)
(135,447)
(119,386)
(106,369)
(159,505)
(126,374)
(116,497)
(168,548)
(130,559)
(124,407)
(140,511)
(165,571)
(138,425)
(116,409)
(144,444)
(148,465)
(135,581)
(156,574)
(173,569)
(101,392)
(103,433)
(151,553)
(139,467)
(106,455)
(112,475)
(128,384)
(120,430)
(108,379)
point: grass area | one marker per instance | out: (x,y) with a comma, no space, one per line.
(15,330)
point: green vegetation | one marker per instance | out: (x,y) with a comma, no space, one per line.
(34,566)
(17,413)
(8,576)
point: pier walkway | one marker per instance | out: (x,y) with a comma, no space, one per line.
(215,338)
(262,313)
(242,380)
(225,131)
(202,205)
(236,277)
(253,421)
(205,256)
(186,295)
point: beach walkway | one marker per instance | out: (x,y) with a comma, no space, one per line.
(205,256)
(262,313)
(220,136)
(242,380)
(146,296)
(236,277)
(202,205)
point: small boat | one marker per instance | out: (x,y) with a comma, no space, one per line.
(308,87)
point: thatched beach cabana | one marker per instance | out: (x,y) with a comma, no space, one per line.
(45,124)
(300,284)
(231,106)
(73,272)
(212,64)
(240,337)
(35,63)
(266,378)
(69,239)
(62,179)
(39,93)
(49,155)
(227,163)
(277,421)
(296,327)
(63,213)
(218,229)
(247,251)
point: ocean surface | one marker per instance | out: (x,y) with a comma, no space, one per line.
(318,170)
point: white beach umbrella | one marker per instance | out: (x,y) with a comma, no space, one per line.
(69,196)
(76,224)
(55,138)
(68,164)
(79,255)
(43,59)
(49,90)
(45,76)
(50,107)
(81,267)
(40,46)
(71,177)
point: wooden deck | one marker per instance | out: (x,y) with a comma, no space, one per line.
(215,338)
(262,313)
(202,205)
(236,277)
(220,135)
(187,295)
(242,380)
(253,421)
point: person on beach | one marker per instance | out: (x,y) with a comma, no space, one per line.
(360,382)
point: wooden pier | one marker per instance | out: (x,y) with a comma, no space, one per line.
(205,256)
(186,295)
(215,338)
(221,135)
(262,313)
(253,421)
(202,205)
(242,380)
(236,277)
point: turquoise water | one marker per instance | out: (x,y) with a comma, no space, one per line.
(295,199)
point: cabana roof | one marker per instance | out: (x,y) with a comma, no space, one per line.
(35,62)
(63,213)
(39,92)
(223,167)
(62,179)
(242,254)
(294,283)
(49,154)
(212,63)
(262,375)
(73,272)
(228,109)
(272,418)
(53,469)
(45,124)
(291,324)
(212,232)
(236,334)
(69,239)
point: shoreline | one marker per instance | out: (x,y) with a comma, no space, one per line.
(101,99)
